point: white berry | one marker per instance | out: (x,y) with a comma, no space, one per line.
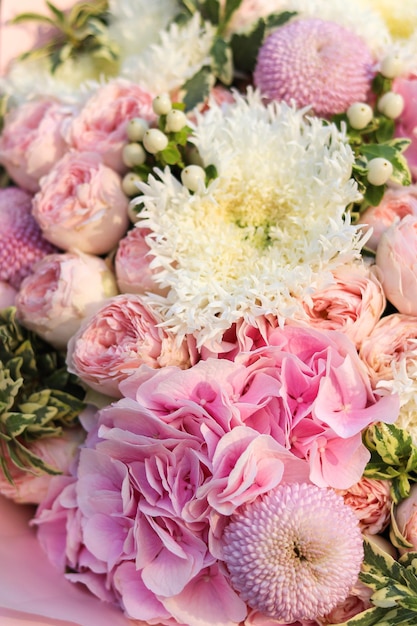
(391,104)
(136,128)
(176,120)
(379,171)
(129,184)
(192,176)
(359,115)
(155,140)
(133,154)
(391,66)
(162,104)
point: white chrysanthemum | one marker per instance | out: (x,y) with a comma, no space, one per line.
(181,52)
(265,231)
(69,83)
(400,17)
(407,418)
(362,20)
(405,50)
(136,24)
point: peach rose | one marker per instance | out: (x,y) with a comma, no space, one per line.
(396,204)
(352,304)
(396,259)
(81,205)
(63,290)
(132,264)
(406,518)
(101,124)
(123,335)
(31,141)
(371,502)
(58,452)
(392,342)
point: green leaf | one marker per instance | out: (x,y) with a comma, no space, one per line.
(170,155)
(210,10)
(278,19)
(385,130)
(222,60)
(59,15)
(32,17)
(197,88)
(245,47)
(374,194)
(397,539)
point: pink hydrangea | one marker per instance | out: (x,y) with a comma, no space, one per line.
(314,63)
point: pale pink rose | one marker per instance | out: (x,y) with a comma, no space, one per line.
(357,601)
(7,295)
(396,260)
(132,264)
(63,290)
(101,124)
(371,502)
(396,204)
(31,141)
(406,124)
(30,487)
(81,205)
(250,11)
(120,337)
(391,344)
(352,304)
(406,519)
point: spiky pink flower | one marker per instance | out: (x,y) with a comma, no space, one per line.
(294,553)
(21,240)
(314,62)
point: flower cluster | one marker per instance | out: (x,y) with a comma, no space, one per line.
(208,325)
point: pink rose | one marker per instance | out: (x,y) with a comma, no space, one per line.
(120,337)
(396,204)
(406,518)
(396,258)
(391,344)
(132,264)
(31,141)
(81,205)
(7,295)
(58,452)
(371,502)
(101,125)
(62,290)
(406,124)
(352,304)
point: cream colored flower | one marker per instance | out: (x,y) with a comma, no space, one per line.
(265,232)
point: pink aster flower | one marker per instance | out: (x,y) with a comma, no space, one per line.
(315,63)
(21,239)
(294,553)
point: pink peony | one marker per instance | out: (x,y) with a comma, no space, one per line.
(390,346)
(396,204)
(63,290)
(81,205)
(133,264)
(406,124)
(101,124)
(396,260)
(21,241)
(352,304)
(314,63)
(406,519)
(57,452)
(371,502)
(294,553)
(31,141)
(120,337)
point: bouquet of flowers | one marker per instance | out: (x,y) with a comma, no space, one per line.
(208,324)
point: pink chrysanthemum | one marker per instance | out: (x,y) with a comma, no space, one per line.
(314,62)
(21,240)
(294,553)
